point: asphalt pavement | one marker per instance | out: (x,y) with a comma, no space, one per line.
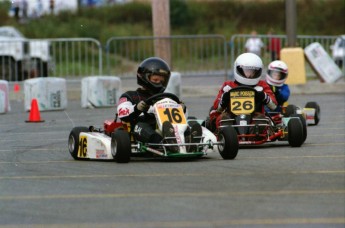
(271,185)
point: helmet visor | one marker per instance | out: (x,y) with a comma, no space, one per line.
(277,75)
(249,72)
(157,79)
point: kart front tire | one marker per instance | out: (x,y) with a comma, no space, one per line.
(314,105)
(295,132)
(229,149)
(304,124)
(73,141)
(120,146)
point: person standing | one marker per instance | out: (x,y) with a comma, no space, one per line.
(254,44)
(274,46)
(16,8)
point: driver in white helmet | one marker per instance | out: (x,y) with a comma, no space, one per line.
(276,76)
(247,72)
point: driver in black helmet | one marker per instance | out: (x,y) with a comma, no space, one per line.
(153,76)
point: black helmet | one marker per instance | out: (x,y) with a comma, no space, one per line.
(153,66)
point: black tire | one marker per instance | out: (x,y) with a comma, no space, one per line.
(290,110)
(121,146)
(304,124)
(229,149)
(73,141)
(313,104)
(295,132)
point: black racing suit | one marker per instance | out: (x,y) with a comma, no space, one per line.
(143,125)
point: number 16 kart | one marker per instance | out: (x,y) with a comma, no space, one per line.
(118,142)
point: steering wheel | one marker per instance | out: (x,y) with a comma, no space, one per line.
(151,100)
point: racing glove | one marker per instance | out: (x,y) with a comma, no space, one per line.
(266,100)
(142,106)
(214,114)
(225,100)
(262,96)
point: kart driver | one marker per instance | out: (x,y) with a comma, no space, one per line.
(153,75)
(247,72)
(276,76)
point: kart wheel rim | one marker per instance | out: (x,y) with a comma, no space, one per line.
(71,143)
(113,147)
(221,146)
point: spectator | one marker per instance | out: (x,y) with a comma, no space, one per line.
(274,46)
(16,8)
(51,6)
(254,44)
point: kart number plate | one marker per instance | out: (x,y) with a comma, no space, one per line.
(82,151)
(173,114)
(242,102)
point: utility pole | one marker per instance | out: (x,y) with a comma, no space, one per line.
(290,20)
(161,28)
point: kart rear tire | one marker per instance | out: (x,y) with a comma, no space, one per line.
(295,132)
(73,141)
(304,124)
(314,105)
(120,146)
(290,110)
(229,149)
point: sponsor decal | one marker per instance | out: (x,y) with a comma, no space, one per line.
(101,154)
(55,99)
(137,129)
(111,96)
(123,112)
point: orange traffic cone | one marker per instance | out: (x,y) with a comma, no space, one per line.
(34,116)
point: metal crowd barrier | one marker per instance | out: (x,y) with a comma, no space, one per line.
(203,55)
(64,57)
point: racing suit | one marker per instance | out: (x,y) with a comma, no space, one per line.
(216,110)
(282,94)
(142,125)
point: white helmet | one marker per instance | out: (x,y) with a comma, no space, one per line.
(277,73)
(248,69)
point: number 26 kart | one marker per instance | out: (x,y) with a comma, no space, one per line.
(253,129)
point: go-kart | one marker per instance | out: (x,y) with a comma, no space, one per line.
(309,115)
(118,142)
(310,112)
(253,129)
